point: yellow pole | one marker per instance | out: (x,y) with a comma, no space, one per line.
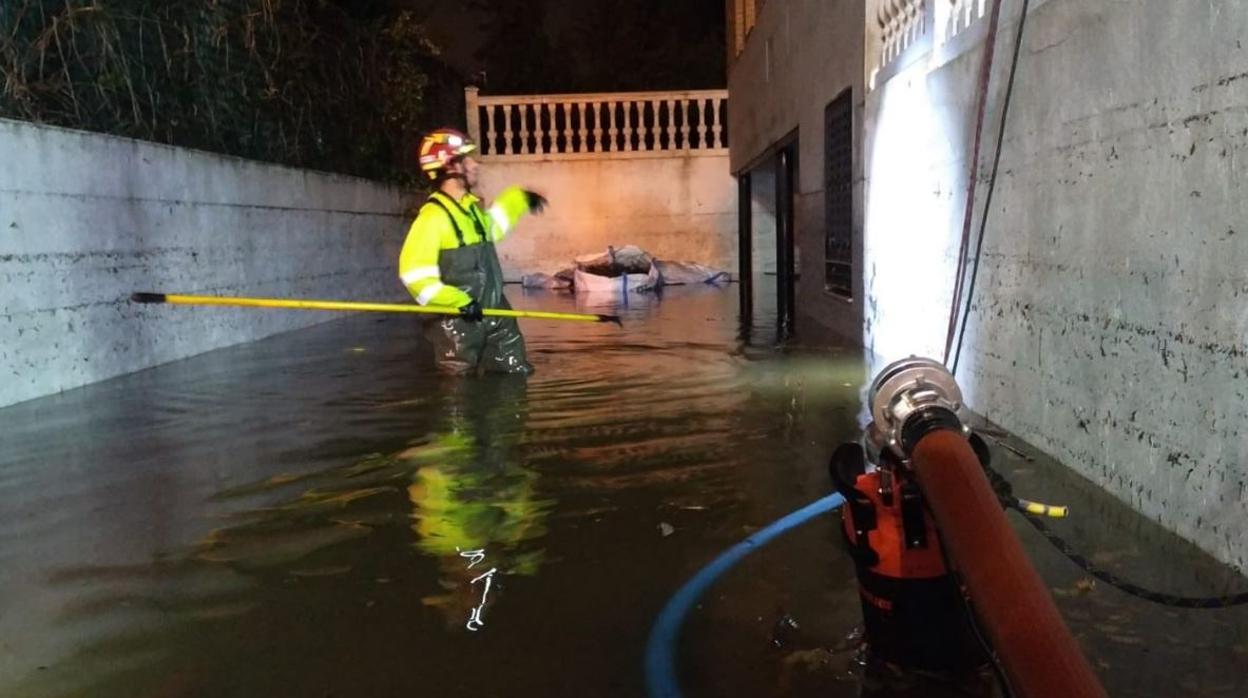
(295,304)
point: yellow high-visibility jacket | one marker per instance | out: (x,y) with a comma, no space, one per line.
(444,224)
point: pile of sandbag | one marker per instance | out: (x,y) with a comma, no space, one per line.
(626,269)
(629,268)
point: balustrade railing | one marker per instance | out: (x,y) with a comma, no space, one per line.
(900,23)
(625,122)
(955,16)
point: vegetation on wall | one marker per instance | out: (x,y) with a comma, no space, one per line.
(337,85)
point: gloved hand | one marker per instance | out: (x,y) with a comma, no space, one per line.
(537,202)
(471,312)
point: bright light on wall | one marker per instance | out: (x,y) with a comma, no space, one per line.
(915,193)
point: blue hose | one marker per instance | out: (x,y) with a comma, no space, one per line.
(661,646)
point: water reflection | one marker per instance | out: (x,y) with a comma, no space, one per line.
(475,507)
(313,514)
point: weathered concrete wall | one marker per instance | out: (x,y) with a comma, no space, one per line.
(1109,318)
(677,206)
(85,220)
(800,55)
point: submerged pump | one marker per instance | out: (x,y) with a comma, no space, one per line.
(929,479)
(913,609)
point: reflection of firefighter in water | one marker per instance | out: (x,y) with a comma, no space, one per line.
(474,507)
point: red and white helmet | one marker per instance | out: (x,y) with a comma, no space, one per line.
(440,147)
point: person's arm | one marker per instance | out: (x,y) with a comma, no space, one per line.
(418,261)
(509,206)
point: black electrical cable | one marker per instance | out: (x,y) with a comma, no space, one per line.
(992,185)
(1135,590)
(1005,492)
(993,660)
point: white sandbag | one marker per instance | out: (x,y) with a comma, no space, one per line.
(585,282)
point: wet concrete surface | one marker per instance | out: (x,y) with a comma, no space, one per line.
(322,514)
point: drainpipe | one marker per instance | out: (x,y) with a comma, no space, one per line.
(918,414)
(785,311)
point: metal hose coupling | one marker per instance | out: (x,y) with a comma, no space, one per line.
(908,399)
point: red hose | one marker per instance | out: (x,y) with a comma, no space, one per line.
(1012,605)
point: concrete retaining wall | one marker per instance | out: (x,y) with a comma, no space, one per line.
(1110,316)
(86,219)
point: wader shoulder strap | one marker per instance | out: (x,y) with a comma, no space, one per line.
(459,234)
(472,216)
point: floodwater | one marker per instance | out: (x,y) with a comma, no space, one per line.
(321,514)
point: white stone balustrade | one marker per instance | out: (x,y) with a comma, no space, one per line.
(599,125)
(900,23)
(955,16)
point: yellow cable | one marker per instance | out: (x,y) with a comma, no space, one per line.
(1039,509)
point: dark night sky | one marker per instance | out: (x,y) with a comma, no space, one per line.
(581,45)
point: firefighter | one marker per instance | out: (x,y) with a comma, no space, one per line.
(449,259)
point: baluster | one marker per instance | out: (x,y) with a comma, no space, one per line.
(568,111)
(507,132)
(490,133)
(702,125)
(886,29)
(908,22)
(586,133)
(717,128)
(656,106)
(612,146)
(539,132)
(671,124)
(914,20)
(596,131)
(582,127)
(639,124)
(642,129)
(897,26)
(628,126)
(686,110)
(903,19)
